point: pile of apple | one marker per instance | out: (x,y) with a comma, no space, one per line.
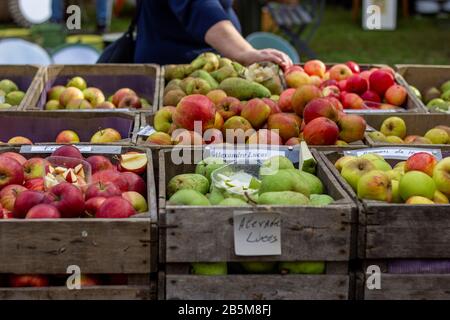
(37,188)
(355,89)
(436,99)
(393,130)
(108,135)
(421,179)
(77,95)
(317,120)
(10,95)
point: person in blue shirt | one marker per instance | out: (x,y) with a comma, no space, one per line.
(177,31)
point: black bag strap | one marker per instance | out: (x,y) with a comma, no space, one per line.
(135,20)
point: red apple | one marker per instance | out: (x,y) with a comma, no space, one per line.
(67,151)
(115,207)
(380,81)
(11,172)
(100,189)
(9,194)
(25,201)
(315,68)
(371,96)
(340,72)
(336,103)
(421,161)
(331,91)
(120,94)
(92,205)
(265,136)
(35,168)
(285,102)
(21,281)
(320,108)
(321,131)
(229,107)
(356,84)
(113,176)
(365,74)
(286,125)
(16,156)
(99,163)
(302,96)
(195,108)
(293,141)
(36,184)
(67,136)
(67,198)
(352,128)
(130,101)
(213,136)
(352,101)
(293,68)
(396,95)
(274,107)
(134,183)
(43,211)
(256,112)
(328,83)
(353,66)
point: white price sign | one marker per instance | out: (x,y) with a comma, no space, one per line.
(257,233)
(395,152)
(243,155)
(146,131)
(52,148)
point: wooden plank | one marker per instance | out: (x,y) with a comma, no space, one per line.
(400,231)
(308,234)
(411,287)
(257,287)
(88,293)
(95,245)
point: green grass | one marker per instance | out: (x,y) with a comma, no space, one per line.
(417,40)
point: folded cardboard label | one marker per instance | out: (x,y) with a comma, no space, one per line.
(257,233)
(82,148)
(146,131)
(398,153)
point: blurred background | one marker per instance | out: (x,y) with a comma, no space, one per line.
(333,31)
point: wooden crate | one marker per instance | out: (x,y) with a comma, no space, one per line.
(98,246)
(144,79)
(29,79)
(416,124)
(43,127)
(192,234)
(148,118)
(423,77)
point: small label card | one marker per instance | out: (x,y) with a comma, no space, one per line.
(398,153)
(146,131)
(257,233)
(243,155)
(82,148)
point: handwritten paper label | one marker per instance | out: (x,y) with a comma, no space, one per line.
(82,148)
(257,233)
(373,111)
(2,99)
(146,131)
(395,152)
(243,155)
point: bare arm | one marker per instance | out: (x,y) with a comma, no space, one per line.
(224,37)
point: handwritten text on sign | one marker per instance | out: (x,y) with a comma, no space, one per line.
(257,233)
(398,153)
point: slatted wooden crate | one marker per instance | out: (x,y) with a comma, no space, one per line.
(118,247)
(28,78)
(205,234)
(144,79)
(43,127)
(423,77)
(415,125)
(388,232)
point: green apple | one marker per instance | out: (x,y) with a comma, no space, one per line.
(259,267)
(441,176)
(77,82)
(394,126)
(375,185)
(354,169)
(395,192)
(416,183)
(342,161)
(5,106)
(400,166)
(446,96)
(395,140)
(14,98)
(8,86)
(394,174)
(137,201)
(436,103)
(302,267)
(437,136)
(445,86)
(382,165)
(377,136)
(209,268)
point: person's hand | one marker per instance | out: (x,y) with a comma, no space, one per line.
(252,56)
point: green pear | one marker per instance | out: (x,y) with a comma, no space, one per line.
(240,69)
(274,85)
(445,86)
(446,96)
(145,104)
(314,184)
(320,199)
(283,180)
(209,268)
(207,61)
(172,85)
(225,62)
(215,196)
(233,202)
(259,267)
(175,71)
(202,74)
(8,86)
(243,89)
(14,98)
(173,97)
(208,165)
(307,161)
(5,106)
(188,181)
(437,103)
(283,198)
(224,73)
(302,267)
(189,197)
(274,164)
